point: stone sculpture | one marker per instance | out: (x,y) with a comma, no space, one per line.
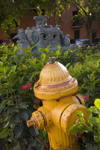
(22,40)
(43,35)
(40,21)
(67,40)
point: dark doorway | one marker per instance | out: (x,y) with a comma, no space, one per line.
(76,34)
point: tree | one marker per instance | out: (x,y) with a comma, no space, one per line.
(88,11)
(12,10)
(52,7)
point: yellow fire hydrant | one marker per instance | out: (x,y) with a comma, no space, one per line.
(57,91)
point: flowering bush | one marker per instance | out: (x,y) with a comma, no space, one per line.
(17,77)
(87,73)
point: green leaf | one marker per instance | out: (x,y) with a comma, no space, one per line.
(16,118)
(47,49)
(92,77)
(1,69)
(94,121)
(6,125)
(1,63)
(18,130)
(1,119)
(97,138)
(4,133)
(41,49)
(58,47)
(32,131)
(92,109)
(66,54)
(97,103)
(15,50)
(96,81)
(43,56)
(57,53)
(23,114)
(80,128)
(80,116)
(5,69)
(24,66)
(67,65)
(13,68)
(34,61)
(89,119)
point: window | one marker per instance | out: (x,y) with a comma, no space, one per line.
(75,13)
(76,34)
(94,32)
(76,22)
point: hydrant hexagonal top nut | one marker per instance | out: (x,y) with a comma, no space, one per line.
(51,60)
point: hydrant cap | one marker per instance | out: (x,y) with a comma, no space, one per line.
(55,82)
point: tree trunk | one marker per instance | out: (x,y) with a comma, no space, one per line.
(88,28)
(88,34)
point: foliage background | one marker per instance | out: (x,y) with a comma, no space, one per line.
(16,105)
(12,10)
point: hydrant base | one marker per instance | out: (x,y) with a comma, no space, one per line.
(59,140)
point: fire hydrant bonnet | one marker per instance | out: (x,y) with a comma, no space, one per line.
(55,82)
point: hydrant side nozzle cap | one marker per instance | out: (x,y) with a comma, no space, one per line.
(30,123)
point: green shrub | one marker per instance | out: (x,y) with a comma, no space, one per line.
(88,76)
(94,125)
(17,77)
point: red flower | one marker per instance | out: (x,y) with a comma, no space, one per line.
(86,49)
(79,50)
(24,87)
(86,98)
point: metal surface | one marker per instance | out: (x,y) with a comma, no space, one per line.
(51,60)
(56,88)
(55,82)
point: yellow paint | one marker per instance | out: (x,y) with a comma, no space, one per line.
(55,82)
(57,90)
